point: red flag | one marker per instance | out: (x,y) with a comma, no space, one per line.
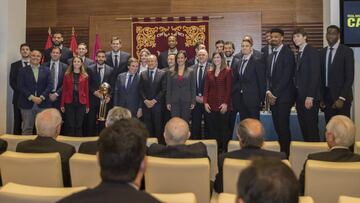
(48,43)
(73,43)
(97,46)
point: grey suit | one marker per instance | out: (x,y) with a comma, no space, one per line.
(180,94)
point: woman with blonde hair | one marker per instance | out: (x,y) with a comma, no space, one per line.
(75,97)
(143,55)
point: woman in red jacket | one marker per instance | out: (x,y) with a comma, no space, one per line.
(75,97)
(217,99)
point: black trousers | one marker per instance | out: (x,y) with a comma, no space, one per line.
(153,120)
(94,126)
(219,129)
(17,120)
(181,110)
(308,120)
(74,116)
(281,119)
(330,112)
(198,115)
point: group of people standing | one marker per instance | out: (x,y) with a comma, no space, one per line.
(210,90)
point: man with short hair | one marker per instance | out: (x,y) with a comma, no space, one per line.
(231,61)
(162,59)
(57,41)
(48,126)
(219,46)
(251,138)
(340,136)
(115,114)
(35,84)
(267,49)
(176,133)
(57,71)
(14,75)
(82,51)
(195,60)
(116,58)
(122,161)
(267,180)
(255,53)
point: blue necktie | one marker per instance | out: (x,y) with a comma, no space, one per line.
(129,81)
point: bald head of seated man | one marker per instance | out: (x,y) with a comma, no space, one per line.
(251,138)
(176,133)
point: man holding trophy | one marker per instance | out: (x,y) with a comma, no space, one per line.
(101,80)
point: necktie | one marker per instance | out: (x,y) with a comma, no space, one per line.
(26,63)
(200,76)
(129,82)
(228,63)
(101,74)
(151,76)
(274,54)
(298,58)
(116,61)
(241,72)
(329,62)
(52,69)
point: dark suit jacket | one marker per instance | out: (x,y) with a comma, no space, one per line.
(335,155)
(90,147)
(66,53)
(235,63)
(181,91)
(62,70)
(307,75)
(153,90)
(244,153)
(3,146)
(14,75)
(252,84)
(257,55)
(265,54)
(127,97)
(109,192)
(200,88)
(162,59)
(341,73)
(47,145)
(28,86)
(95,82)
(280,83)
(124,57)
(87,62)
(197,150)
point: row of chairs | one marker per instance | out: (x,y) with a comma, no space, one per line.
(324,181)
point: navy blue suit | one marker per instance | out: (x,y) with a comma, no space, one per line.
(66,53)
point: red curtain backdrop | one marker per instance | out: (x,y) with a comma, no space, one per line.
(153,35)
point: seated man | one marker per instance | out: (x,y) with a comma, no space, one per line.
(114,115)
(251,137)
(267,180)
(176,133)
(3,146)
(122,148)
(340,135)
(48,126)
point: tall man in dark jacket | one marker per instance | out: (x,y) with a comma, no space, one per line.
(57,41)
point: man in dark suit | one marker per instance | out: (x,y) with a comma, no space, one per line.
(99,74)
(162,59)
(48,125)
(280,87)
(337,70)
(307,83)
(126,93)
(57,71)
(152,92)
(14,75)
(195,60)
(256,54)
(122,149)
(82,51)
(57,41)
(251,138)
(176,133)
(267,49)
(34,84)
(171,62)
(115,114)
(198,113)
(267,180)
(116,58)
(340,136)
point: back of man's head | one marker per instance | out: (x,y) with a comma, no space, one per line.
(117,113)
(48,123)
(340,131)
(267,180)
(122,148)
(251,133)
(176,131)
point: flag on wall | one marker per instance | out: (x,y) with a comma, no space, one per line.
(73,43)
(97,46)
(48,43)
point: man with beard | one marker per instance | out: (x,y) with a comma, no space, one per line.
(162,59)
(57,41)
(267,49)
(82,51)
(231,61)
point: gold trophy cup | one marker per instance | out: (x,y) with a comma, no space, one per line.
(105,91)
